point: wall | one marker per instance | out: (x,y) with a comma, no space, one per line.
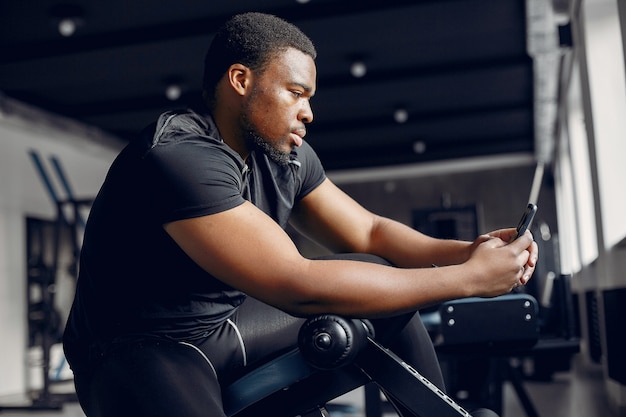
(500,187)
(596,256)
(599,42)
(501,194)
(22,194)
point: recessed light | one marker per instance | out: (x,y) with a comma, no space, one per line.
(67,27)
(173,92)
(400,116)
(67,17)
(358,69)
(419,147)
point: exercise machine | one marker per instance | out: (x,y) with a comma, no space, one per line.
(46,239)
(336,355)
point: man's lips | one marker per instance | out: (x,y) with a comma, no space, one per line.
(297,136)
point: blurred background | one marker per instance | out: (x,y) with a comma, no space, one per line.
(448,115)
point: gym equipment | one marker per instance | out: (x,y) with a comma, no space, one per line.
(334,356)
(47,237)
(483,343)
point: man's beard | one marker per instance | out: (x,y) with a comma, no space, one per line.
(256,141)
(268,149)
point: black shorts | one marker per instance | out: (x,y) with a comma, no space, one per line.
(165,378)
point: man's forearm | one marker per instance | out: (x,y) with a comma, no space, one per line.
(406,247)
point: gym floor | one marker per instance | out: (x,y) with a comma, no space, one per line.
(577,393)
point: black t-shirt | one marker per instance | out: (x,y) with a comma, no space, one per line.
(134,280)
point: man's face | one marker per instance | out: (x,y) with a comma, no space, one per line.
(275,112)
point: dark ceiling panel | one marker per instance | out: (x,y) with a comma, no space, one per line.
(458,67)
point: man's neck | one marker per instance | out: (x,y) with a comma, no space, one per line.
(228,128)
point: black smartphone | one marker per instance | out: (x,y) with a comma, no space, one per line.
(525,221)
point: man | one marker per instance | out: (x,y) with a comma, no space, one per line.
(187,277)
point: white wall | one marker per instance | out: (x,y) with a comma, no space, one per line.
(607,93)
(22,194)
(598,52)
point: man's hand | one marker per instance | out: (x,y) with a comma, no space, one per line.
(504,266)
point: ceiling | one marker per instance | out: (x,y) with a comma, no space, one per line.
(458,69)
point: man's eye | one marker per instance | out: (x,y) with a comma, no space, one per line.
(296,93)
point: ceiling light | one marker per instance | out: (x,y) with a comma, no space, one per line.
(302,1)
(400,116)
(173,92)
(67,27)
(67,17)
(419,147)
(358,69)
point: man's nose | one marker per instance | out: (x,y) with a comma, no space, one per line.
(306,112)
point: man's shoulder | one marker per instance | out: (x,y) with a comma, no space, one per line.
(178,125)
(185,136)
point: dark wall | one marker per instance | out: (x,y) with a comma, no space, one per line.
(499,194)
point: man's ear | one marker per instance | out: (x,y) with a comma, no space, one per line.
(239,78)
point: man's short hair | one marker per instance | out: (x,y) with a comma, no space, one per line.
(251,39)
